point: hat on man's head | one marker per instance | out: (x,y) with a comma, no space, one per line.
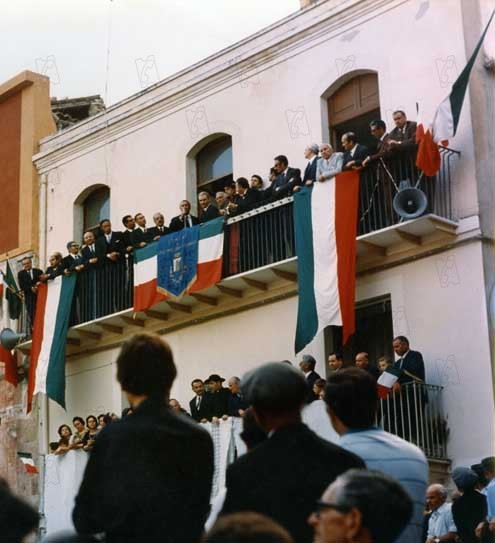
(215,378)
(488,463)
(464,478)
(274,387)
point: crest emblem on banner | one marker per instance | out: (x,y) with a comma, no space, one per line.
(177,261)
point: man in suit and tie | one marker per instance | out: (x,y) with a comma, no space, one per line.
(129,224)
(109,246)
(307,366)
(383,149)
(185,219)
(90,307)
(73,260)
(27,279)
(207,210)
(159,229)
(140,236)
(336,362)
(245,199)
(354,152)
(311,155)
(199,405)
(404,133)
(284,476)
(287,178)
(54,269)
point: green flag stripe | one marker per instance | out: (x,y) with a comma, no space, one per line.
(459,87)
(211,228)
(55,377)
(307,318)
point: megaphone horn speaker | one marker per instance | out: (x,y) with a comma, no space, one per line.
(9,339)
(409,202)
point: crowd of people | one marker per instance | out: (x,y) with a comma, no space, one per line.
(104,247)
(149,474)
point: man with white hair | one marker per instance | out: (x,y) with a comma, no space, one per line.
(159,229)
(330,163)
(222,202)
(208,211)
(311,155)
(441,526)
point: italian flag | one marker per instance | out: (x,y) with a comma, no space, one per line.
(325,218)
(10,365)
(27,460)
(386,381)
(428,158)
(448,112)
(51,322)
(145,277)
(210,255)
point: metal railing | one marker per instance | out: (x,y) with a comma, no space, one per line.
(415,414)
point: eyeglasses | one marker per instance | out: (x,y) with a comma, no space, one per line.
(321,506)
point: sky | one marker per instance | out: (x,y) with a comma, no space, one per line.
(116,48)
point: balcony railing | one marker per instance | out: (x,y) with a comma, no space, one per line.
(415,414)
(265,235)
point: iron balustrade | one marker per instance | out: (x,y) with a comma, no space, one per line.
(415,414)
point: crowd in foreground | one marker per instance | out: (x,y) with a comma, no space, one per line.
(149,475)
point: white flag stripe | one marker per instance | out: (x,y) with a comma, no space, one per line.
(210,249)
(387,379)
(51,310)
(326,285)
(145,271)
(443,122)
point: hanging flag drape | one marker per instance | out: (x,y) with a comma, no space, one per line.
(428,158)
(10,365)
(325,219)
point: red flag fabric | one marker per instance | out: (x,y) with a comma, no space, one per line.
(428,157)
(10,365)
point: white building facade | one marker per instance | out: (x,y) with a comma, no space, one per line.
(304,79)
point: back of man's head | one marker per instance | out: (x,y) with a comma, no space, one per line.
(352,396)
(385,506)
(274,388)
(145,366)
(17,518)
(252,434)
(247,528)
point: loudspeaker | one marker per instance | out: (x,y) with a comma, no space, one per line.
(9,339)
(409,202)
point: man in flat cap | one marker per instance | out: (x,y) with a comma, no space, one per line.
(307,365)
(218,397)
(285,475)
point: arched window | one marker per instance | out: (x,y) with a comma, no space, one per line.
(352,107)
(214,164)
(96,207)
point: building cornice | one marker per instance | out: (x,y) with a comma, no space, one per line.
(258,53)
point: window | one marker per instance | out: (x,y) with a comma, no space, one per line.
(214,165)
(96,208)
(352,107)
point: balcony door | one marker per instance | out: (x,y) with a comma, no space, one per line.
(352,107)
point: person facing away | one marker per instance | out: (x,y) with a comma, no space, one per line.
(361,507)
(283,476)
(352,403)
(149,475)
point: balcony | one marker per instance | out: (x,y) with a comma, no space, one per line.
(260,265)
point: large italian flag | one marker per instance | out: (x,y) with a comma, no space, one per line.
(325,218)
(145,277)
(51,322)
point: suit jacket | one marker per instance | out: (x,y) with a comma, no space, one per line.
(310,171)
(284,476)
(210,213)
(126,238)
(87,254)
(406,135)
(282,186)
(413,363)
(219,402)
(383,148)
(360,154)
(69,263)
(247,201)
(236,402)
(468,511)
(148,478)
(25,281)
(103,247)
(178,223)
(373,371)
(204,408)
(138,236)
(54,271)
(155,231)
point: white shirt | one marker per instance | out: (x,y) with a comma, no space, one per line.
(353,150)
(331,167)
(441,521)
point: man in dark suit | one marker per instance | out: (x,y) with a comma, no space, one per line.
(129,224)
(159,229)
(140,236)
(89,291)
(307,366)
(354,152)
(207,210)
(55,268)
(245,199)
(383,149)
(363,362)
(185,219)
(149,475)
(218,396)
(410,363)
(404,133)
(199,405)
(237,404)
(285,475)
(311,155)
(287,178)
(27,279)
(109,246)
(73,260)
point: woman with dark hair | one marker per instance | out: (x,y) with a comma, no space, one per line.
(65,434)
(92,425)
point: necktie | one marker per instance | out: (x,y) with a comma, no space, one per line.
(198,401)
(92,248)
(161,229)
